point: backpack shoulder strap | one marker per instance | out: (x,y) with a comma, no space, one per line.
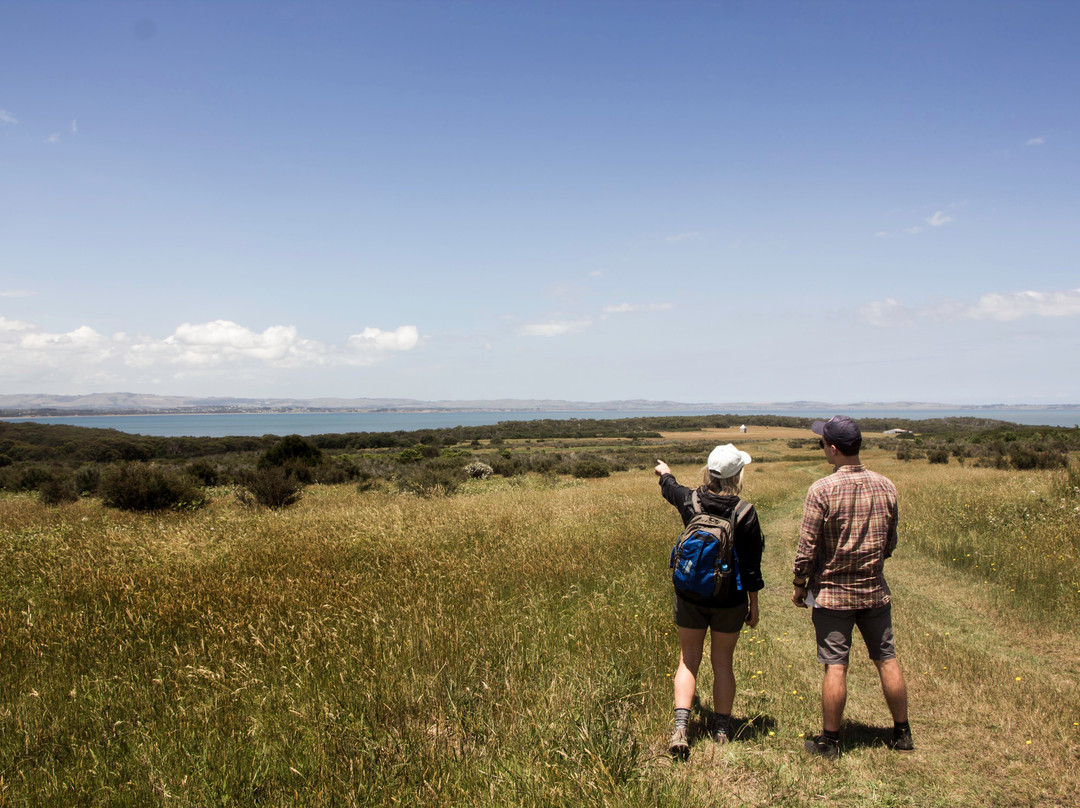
(695,500)
(740,511)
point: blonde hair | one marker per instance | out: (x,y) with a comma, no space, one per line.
(722,485)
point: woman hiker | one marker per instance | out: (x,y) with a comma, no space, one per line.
(722,615)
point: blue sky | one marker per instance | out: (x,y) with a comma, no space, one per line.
(691,201)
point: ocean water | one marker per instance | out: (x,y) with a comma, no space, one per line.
(321,423)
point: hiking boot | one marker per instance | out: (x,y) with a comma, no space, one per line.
(679,745)
(901,740)
(823,746)
(721,730)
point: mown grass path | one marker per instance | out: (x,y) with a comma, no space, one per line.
(994,697)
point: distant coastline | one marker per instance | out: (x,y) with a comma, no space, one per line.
(265,421)
(136,404)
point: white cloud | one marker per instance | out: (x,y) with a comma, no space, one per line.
(221,341)
(14,325)
(15,293)
(680,237)
(626,308)
(881,234)
(74,127)
(558,327)
(914,230)
(597,273)
(885,313)
(1035,141)
(7,117)
(1013,305)
(373,339)
(220,346)
(53,138)
(27,350)
(938,219)
(554,329)
(999,306)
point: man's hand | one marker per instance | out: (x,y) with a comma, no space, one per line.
(661,468)
(752,617)
(799,597)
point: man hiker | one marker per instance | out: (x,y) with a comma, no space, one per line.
(848,530)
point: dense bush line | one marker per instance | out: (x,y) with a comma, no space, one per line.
(27,441)
(63,462)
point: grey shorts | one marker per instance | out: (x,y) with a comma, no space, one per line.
(834,629)
(725,619)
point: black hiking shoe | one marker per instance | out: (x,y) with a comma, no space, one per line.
(823,747)
(721,730)
(901,740)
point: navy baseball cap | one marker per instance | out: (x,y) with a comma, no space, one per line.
(837,431)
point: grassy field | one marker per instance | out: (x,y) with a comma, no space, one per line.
(512,645)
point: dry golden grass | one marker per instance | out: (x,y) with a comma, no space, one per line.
(753,434)
(512,645)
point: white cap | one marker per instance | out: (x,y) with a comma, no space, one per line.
(727,461)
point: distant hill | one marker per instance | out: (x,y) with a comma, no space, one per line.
(129,403)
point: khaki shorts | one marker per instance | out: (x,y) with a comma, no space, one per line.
(834,628)
(725,619)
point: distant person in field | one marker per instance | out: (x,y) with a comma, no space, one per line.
(696,615)
(848,530)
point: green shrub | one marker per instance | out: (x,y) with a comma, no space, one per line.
(203,472)
(367,481)
(591,467)
(433,479)
(87,480)
(57,491)
(140,487)
(272,486)
(336,470)
(509,467)
(1027,457)
(292,450)
(410,455)
(29,477)
(939,455)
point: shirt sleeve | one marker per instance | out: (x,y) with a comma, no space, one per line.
(677,495)
(890,542)
(809,534)
(749,544)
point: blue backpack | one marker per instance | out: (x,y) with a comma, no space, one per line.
(703,560)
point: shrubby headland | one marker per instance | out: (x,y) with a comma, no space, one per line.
(141,472)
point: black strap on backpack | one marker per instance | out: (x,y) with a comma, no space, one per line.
(736,515)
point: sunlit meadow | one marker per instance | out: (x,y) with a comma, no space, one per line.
(512,645)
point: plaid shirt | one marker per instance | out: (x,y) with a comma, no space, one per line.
(848,530)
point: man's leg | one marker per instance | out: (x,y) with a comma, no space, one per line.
(876,628)
(833,697)
(833,630)
(894,688)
